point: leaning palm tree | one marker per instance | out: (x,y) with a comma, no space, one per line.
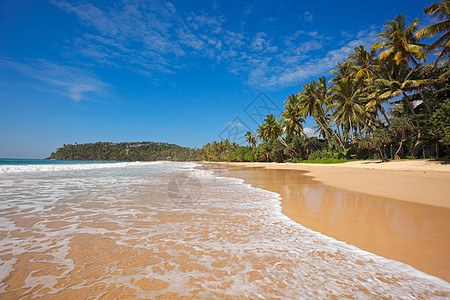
(399,42)
(391,84)
(441,11)
(311,104)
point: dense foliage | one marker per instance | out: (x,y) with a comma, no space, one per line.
(384,101)
(142,151)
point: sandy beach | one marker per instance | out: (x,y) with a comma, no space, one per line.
(419,181)
(399,210)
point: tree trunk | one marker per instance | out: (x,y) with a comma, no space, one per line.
(309,139)
(286,145)
(385,117)
(437,149)
(396,156)
(411,108)
(351,129)
(334,132)
(423,100)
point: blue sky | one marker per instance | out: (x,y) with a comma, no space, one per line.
(181,72)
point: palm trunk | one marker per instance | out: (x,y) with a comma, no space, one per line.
(337,137)
(396,156)
(309,139)
(385,117)
(411,108)
(423,100)
(286,145)
(351,128)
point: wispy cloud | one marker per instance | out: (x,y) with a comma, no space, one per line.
(73,82)
(308,16)
(156,37)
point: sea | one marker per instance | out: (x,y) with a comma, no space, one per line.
(173,230)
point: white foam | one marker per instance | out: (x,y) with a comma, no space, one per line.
(230,216)
(69,167)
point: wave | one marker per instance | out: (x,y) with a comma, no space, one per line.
(69,167)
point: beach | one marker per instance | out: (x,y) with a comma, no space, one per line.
(172,230)
(399,210)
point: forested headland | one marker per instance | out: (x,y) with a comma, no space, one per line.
(389,101)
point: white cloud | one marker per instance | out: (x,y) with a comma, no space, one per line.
(73,82)
(310,132)
(235,124)
(156,37)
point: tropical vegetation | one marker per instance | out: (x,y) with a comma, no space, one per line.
(391,101)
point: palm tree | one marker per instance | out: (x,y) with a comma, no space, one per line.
(250,138)
(344,70)
(346,104)
(270,129)
(391,84)
(400,42)
(311,104)
(291,121)
(362,65)
(442,12)
(292,100)
(402,127)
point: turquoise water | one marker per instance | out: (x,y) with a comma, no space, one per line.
(26,161)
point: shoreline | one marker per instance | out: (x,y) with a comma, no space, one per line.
(412,181)
(413,232)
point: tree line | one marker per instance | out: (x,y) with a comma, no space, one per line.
(384,100)
(389,101)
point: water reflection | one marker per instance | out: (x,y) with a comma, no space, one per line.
(413,233)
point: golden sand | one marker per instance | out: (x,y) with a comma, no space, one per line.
(415,232)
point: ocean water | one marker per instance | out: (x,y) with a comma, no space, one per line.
(170,230)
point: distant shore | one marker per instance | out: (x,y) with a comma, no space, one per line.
(419,181)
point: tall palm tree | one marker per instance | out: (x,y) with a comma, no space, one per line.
(441,11)
(270,129)
(292,121)
(344,70)
(391,84)
(362,65)
(292,100)
(399,43)
(311,104)
(250,138)
(347,105)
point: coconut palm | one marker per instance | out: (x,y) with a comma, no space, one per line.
(250,138)
(292,100)
(362,65)
(292,121)
(391,84)
(401,127)
(270,129)
(343,70)
(346,105)
(311,103)
(441,11)
(399,43)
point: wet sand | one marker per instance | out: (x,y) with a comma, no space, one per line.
(410,232)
